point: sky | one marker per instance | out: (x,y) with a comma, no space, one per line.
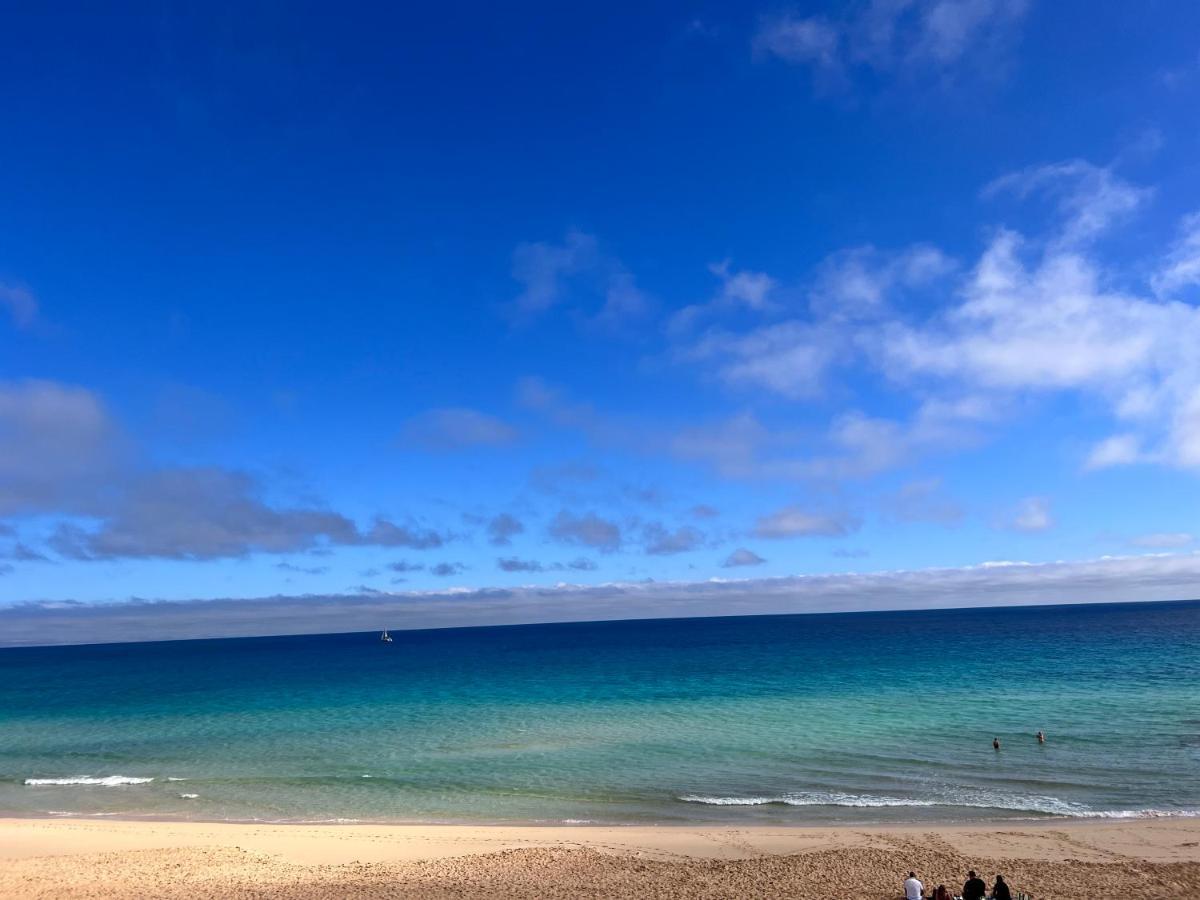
(343,305)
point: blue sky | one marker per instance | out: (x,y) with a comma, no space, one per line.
(311,300)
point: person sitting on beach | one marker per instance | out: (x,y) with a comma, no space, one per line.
(913,889)
(942,893)
(975,887)
(1000,889)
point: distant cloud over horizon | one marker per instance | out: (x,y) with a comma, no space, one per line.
(1108,579)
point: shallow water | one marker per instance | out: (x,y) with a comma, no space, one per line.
(872,717)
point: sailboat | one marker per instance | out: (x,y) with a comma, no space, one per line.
(385,637)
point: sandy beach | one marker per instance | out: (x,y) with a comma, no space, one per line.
(74,858)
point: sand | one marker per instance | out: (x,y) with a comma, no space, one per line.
(1053,860)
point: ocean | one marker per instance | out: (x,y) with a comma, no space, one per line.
(847,718)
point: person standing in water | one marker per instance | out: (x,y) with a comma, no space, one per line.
(995,743)
(1041,738)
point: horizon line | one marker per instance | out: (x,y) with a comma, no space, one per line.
(1108,579)
(468,627)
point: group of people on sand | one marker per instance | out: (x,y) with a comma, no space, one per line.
(974,889)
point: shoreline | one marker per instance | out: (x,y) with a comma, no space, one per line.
(119,859)
(948,822)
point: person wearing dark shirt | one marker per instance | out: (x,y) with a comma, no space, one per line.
(975,887)
(1000,890)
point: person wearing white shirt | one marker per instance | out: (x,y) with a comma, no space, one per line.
(913,889)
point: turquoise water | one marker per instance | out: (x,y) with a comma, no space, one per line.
(871,717)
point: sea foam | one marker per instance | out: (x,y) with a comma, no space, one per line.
(106,781)
(1052,806)
(807,799)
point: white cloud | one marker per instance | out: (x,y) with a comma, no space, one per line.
(1053,326)
(1032,515)
(22,306)
(503,528)
(977,344)
(814,40)
(63,455)
(922,501)
(208,512)
(750,289)
(536,395)
(795,521)
(623,300)
(789,358)
(588,529)
(742,557)
(457,428)
(552,274)
(660,541)
(1181,265)
(1163,540)
(1026,319)
(794,358)
(732,445)
(513,564)
(890,35)
(1115,450)
(742,289)
(59,447)
(949,28)
(863,282)
(1090,199)
(542,268)
(385,533)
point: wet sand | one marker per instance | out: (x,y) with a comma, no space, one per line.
(89,858)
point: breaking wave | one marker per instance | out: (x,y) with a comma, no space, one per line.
(1051,806)
(106,781)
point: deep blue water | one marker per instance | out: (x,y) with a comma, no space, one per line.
(853,717)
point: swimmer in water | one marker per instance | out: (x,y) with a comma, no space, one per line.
(996,743)
(1041,738)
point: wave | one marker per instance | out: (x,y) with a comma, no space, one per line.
(813,799)
(1051,806)
(1141,814)
(106,781)
(189,796)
